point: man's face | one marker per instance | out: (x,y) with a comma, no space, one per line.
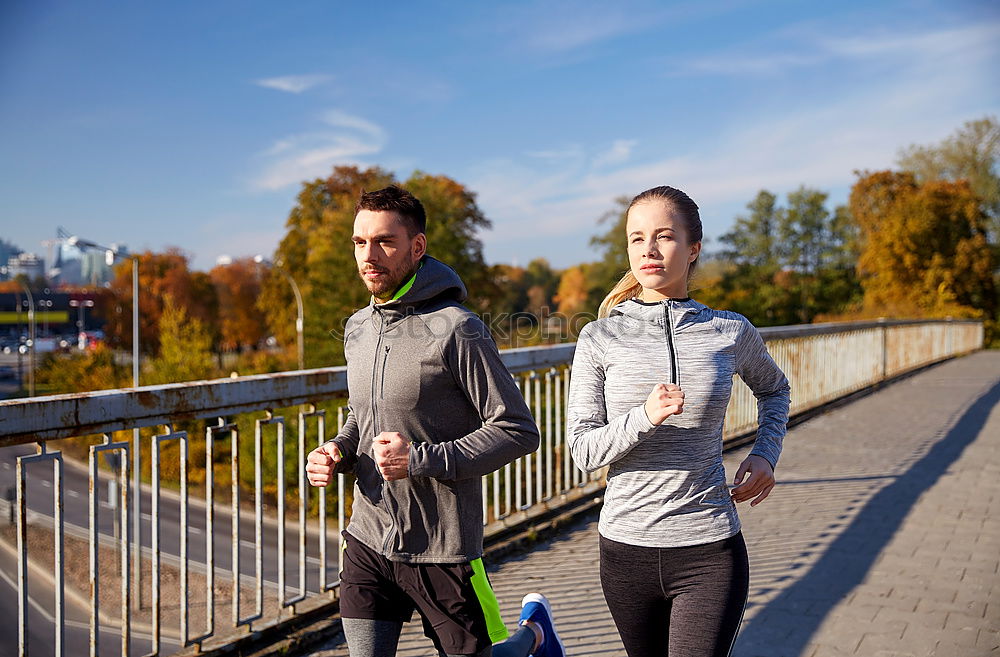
(385,252)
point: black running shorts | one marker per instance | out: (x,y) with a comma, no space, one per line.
(450,598)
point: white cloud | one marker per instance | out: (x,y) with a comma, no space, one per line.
(305,156)
(339,119)
(805,48)
(574,152)
(567,26)
(619,153)
(571,26)
(294,84)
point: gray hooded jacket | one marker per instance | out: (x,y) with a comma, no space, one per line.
(426,367)
(666,483)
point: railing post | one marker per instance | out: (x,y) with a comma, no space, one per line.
(885,354)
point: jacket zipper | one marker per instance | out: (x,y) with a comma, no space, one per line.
(375,368)
(376,393)
(675,376)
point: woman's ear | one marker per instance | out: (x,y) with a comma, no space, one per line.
(695,252)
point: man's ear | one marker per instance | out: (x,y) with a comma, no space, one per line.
(419,246)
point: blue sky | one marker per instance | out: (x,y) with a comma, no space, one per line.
(192,124)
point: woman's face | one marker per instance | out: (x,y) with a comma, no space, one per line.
(658,250)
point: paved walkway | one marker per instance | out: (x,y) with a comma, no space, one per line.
(882,538)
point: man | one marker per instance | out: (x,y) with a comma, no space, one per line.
(431,410)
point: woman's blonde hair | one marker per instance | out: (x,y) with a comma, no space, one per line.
(628,287)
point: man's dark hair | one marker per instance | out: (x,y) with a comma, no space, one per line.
(398,200)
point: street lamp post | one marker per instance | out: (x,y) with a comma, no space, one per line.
(110,255)
(80,304)
(31,340)
(299,317)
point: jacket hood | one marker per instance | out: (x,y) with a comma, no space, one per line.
(435,281)
(653,311)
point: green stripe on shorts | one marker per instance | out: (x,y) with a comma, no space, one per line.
(488,601)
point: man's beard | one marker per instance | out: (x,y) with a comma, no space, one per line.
(394,278)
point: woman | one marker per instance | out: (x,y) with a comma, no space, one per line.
(651,381)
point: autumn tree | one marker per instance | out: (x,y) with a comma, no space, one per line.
(317,252)
(924,248)
(161,275)
(573,293)
(972,154)
(541,284)
(237,286)
(91,370)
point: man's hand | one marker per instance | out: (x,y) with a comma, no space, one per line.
(392,455)
(665,400)
(759,484)
(319,464)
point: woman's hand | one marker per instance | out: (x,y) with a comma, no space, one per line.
(759,484)
(665,400)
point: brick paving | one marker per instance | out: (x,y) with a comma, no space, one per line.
(882,538)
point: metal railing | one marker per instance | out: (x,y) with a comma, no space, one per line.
(823,363)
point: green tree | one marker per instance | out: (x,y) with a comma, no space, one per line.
(185,348)
(787,264)
(453,224)
(605,273)
(751,241)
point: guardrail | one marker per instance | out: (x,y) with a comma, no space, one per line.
(823,362)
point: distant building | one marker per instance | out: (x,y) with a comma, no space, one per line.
(27,264)
(7,250)
(94,269)
(66,268)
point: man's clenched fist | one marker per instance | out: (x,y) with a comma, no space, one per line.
(319,464)
(392,455)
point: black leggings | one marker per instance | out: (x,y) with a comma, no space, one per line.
(676,602)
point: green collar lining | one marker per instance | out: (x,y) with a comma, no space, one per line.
(406,286)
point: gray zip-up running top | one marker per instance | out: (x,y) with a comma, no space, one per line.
(426,367)
(666,484)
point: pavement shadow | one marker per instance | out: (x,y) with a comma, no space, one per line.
(848,558)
